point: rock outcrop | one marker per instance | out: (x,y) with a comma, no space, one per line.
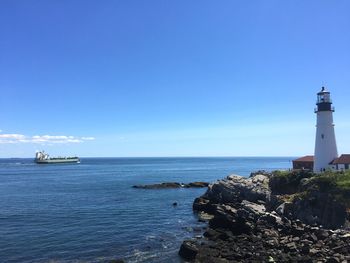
(318,208)
(237,188)
(172,185)
(247,222)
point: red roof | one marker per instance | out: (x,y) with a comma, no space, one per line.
(343,159)
(307,158)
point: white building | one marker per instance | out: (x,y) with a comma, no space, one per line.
(342,163)
(326,153)
(325,146)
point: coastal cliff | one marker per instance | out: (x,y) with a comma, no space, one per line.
(273,217)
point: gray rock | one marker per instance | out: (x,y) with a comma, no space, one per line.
(280,209)
(188,250)
(236,188)
(253,208)
(319,208)
(247,223)
(172,185)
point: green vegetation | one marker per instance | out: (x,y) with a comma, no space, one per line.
(335,183)
(302,183)
(340,180)
(288,182)
(281,173)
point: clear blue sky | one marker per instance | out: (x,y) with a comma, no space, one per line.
(170,78)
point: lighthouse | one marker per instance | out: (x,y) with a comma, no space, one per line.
(325,146)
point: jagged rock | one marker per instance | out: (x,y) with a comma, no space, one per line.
(314,251)
(236,188)
(281,209)
(319,208)
(202,204)
(263,172)
(248,223)
(297,231)
(333,260)
(188,250)
(253,208)
(202,216)
(272,219)
(305,249)
(211,233)
(321,234)
(346,236)
(291,247)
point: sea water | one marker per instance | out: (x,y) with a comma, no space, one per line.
(89,212)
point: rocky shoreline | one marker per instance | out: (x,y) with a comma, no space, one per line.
(250,220)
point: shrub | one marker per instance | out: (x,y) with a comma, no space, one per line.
(287,182)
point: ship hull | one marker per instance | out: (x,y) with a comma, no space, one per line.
(55,161)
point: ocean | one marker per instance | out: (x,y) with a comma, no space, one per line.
(89,212)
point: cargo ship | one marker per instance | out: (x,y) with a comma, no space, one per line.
(44,158)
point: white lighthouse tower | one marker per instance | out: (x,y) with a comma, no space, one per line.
(326,146)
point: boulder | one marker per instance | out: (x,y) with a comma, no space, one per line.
(188,250)
(236,188)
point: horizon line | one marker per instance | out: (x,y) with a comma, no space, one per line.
(209,156)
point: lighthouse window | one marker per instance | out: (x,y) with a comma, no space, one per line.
(322,136)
